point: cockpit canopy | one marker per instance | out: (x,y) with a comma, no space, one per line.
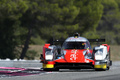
(76,45)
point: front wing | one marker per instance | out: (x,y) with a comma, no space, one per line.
(62,64)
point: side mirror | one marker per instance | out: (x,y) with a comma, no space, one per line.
(41,56)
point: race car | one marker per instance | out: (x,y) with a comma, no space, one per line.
(102,57)
(76,53)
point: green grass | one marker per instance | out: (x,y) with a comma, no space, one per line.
(115,51)
(38,49)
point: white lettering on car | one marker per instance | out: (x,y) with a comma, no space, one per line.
(73,55)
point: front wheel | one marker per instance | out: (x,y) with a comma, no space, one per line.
(50,69)
(100,69)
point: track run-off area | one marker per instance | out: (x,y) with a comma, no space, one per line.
(13,73)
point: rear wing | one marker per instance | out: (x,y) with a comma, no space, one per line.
(91,40)
(96,40)
(61,41)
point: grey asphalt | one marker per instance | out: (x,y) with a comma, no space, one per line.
(21,63)
(112,74)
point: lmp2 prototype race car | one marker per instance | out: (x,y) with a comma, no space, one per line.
(76,53)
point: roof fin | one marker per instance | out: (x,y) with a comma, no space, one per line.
(76,35)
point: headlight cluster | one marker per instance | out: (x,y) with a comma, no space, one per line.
(99,52)
(84,52)
(49,55)
(63,53)
(87,55)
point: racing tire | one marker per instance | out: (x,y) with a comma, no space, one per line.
(48,69)
(100,69)
(108,68)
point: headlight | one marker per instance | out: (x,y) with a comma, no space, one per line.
(84,52)
(63,52)
(49,55)
(99,52)
(88,56)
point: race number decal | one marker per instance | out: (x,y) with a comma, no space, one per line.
(73,55)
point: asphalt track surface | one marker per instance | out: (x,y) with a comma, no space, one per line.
(37,74)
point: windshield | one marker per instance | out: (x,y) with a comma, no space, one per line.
(75,45)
